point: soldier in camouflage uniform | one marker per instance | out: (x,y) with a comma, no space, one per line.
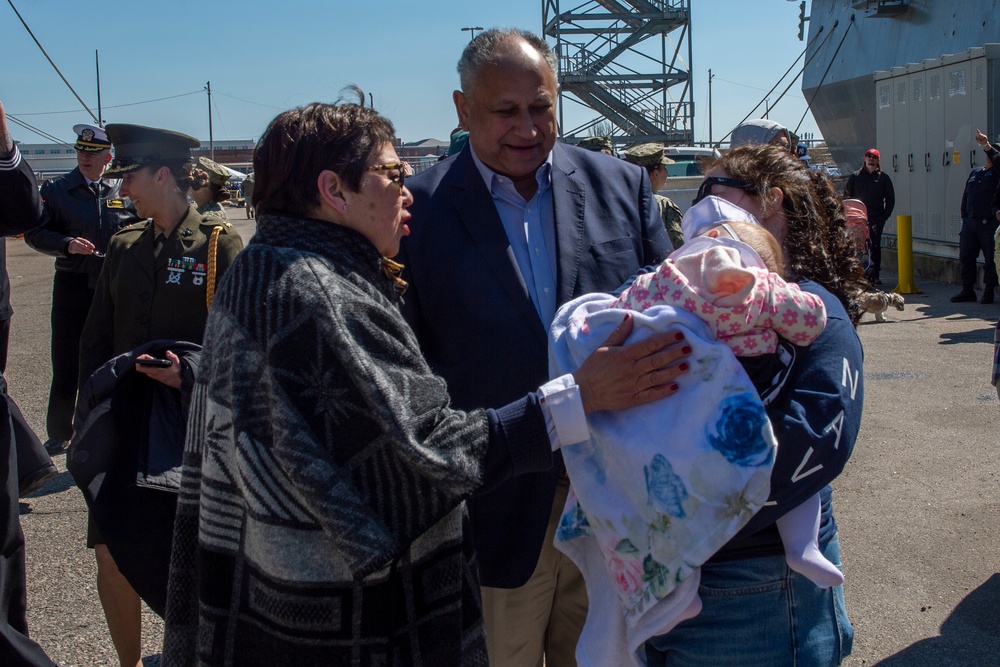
(209,188)
(597,144)
(652,158)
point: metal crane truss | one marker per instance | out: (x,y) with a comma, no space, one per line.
(606,50)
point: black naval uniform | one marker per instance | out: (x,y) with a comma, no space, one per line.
(19,211)
(73,209)
(979,224)
(141,297)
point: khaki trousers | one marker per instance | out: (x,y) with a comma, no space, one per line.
(543,617)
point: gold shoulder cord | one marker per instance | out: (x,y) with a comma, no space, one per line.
(213,251)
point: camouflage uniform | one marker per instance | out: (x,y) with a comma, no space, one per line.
(219,177)
(650,156)
(597,144)
(671,214)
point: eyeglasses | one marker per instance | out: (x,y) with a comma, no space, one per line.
(402,169)
(706,186)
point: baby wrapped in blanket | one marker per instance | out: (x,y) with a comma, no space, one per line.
(658,489)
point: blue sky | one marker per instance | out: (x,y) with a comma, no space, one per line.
(263,57)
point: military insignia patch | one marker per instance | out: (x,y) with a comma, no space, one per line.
(178,267)
(114,203)
(175,271)
(87,135)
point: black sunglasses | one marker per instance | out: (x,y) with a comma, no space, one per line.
(706,186)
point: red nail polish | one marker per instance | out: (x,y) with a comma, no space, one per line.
(683,367)
(686,349)
(679,336)
(674,387)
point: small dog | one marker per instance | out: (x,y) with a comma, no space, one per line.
(877,302)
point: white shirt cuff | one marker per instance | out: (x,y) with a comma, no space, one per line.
(563,410)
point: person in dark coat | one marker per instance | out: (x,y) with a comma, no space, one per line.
(247,188)
(979,225)
(81,211)
(157,282)
(874,187)
(20,207)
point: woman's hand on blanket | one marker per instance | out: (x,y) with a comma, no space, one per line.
(614,376)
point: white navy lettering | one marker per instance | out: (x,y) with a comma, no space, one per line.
(848,380)
(836,425)
(799,474)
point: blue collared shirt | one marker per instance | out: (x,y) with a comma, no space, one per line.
(531,231)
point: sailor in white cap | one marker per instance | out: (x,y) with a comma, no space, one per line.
(82,211)
(759,131)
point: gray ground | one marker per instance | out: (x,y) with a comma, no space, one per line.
(917,505)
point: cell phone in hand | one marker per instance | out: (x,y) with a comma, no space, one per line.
(156,363)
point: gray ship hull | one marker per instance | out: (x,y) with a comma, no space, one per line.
(850,40)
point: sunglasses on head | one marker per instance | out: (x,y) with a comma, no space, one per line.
(706,186)
(402,170)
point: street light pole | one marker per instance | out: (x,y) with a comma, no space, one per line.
(710,107)
(472,31)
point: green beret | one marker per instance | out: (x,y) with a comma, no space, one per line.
(647,155)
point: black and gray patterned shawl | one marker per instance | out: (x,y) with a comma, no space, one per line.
(320,518)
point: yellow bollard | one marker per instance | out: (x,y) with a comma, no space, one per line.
(904,255)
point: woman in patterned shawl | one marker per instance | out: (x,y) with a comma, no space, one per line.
(321,516)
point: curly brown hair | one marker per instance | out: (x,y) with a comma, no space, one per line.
(181,171)
(817,245)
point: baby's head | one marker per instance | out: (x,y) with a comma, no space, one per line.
(755,236)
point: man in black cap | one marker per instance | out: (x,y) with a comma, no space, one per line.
(156,284)
(19,211)
(81,211)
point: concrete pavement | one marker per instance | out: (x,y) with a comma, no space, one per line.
(917,504)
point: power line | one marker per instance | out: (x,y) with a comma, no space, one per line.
(41,133)
(219,115)
(268,106)
(735,83)
(116,106)
(11,3)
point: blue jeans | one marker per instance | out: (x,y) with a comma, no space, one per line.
(758,612)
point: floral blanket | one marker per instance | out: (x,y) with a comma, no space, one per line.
(659,488)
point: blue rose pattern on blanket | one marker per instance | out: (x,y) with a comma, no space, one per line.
(739,431)
(662,487)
